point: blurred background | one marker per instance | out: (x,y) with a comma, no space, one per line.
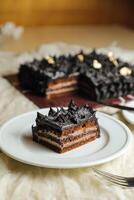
(67,12)
(85,22)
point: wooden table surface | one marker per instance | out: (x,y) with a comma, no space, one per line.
(89,36)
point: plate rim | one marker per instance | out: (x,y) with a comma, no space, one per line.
(70,166)
(124,113)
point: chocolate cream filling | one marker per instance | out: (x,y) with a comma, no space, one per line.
(62,90)
(77,133)
(70,143)
(62,84)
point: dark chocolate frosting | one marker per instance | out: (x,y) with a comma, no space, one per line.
(62,118)
(66,65)
(106,74)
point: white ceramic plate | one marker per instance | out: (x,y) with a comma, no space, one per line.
(128,115)
(16,142)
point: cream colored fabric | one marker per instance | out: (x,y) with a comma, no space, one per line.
(23,182)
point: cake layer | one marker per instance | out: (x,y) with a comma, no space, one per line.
(67,146)
(61,83)
(61,91)
(63,139)
(62,86)
(67,142)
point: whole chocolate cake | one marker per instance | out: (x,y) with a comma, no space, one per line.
(98,76)
(65,129)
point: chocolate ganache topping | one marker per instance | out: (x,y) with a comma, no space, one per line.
(62,118)
(105,71)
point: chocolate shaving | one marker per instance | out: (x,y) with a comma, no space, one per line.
(62,117)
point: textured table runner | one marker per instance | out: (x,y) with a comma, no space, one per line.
(19,181)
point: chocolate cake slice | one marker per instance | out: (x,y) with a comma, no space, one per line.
(65,129)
